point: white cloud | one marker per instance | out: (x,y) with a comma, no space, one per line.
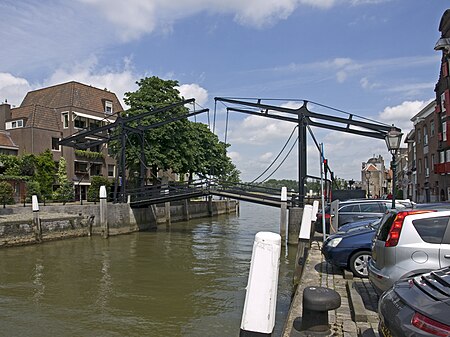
(401,114)
(194,91)
(118,81)
(13,89)
(134,18)
(266,156)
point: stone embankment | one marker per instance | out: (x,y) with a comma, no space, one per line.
(18,224)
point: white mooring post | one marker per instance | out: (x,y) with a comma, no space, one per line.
(283,215)
(315,209)
(103,212)
(36,220)
(258,317)
(303,243)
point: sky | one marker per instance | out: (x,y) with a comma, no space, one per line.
(370,58)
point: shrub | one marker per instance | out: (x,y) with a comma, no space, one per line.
(6,193)
(93,191)
(33,187)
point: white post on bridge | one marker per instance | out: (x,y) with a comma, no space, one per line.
(258,317)
(303,243)
(283,215)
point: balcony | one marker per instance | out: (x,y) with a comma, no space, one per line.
(442,168)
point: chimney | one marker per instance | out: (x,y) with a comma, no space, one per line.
(5,114)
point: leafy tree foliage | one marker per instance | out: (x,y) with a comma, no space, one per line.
(93,193)
(65,191)
(6,193)
(182,146)
(45,172)
(33,188)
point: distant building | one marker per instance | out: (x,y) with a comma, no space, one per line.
(374,177)
(47,115)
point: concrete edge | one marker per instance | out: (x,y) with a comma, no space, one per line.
(357,307)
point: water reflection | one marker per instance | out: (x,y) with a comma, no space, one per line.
(187,279)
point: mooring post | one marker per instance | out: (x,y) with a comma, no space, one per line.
(303,243)
(36,220)
(283,215)
(258,317)
(187,216)
(103,213)
(315,209)
(295,217)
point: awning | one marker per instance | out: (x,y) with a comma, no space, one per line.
(80,114)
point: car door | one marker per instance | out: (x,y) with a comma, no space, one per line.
(348,213)
(444,253)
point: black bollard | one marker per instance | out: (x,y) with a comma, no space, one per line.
(317,301)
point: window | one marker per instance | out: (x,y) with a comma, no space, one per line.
(427,168)
(370,208)
(80,167)
(443,102)
(432,128)
(425,136)
(108,107)
(431,230)
(111,170)
(55,144)
(442,157)
(80,122)
(96,170)
(350,209)
(419,166)
(14,124)
(419,135)
(65,119)
(444,131)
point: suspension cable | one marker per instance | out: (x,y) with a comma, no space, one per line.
(282,162)
(276,158)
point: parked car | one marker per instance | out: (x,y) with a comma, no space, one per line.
(417,307)
(409,243)
(350,247)
(358,209)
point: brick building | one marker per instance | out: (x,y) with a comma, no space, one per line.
(47,115)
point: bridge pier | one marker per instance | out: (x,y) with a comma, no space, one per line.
(295,218)
(283,215)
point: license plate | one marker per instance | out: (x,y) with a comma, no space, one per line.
(385,331)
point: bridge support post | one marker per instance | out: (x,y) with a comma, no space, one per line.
(186,214)
(210,205)
(103,213)
(295,218)
(283,215)
(167,212)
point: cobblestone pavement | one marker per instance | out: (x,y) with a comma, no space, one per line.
(357,315)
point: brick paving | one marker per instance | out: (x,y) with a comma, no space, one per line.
(357,315)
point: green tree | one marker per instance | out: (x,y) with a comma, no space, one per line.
(6,193)
(93,193)
(33,188)
(45,172)
(181,146)
(10,165)
(65,191)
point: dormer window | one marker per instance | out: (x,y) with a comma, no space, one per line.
(108,107)
(14,124)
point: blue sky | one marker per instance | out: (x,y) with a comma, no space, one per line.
(373,58)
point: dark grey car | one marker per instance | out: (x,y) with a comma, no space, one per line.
(417,307)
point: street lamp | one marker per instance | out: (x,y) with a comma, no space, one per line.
(393,139)
(367,175)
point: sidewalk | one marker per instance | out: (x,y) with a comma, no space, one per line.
(357,315)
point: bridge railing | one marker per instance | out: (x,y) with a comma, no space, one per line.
(172,189)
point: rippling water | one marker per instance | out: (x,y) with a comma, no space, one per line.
(186,279)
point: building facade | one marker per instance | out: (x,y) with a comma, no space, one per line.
(374,177)
(47,115)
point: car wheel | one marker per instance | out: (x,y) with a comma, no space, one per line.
(359,263)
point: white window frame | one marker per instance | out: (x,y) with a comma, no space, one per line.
(109,107)
(64,119)
(14,124)
(444,131)
(443,102)
(59,146)
(425,135)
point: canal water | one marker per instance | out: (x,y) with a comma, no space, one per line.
(187,279)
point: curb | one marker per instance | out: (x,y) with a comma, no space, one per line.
(357,307)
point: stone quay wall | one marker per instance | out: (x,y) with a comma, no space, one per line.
(19,225)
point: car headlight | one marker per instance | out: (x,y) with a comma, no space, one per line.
(334,242)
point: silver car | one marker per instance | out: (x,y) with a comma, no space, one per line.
(409,243)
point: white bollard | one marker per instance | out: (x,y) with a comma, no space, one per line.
(283,214)
(305,226)
(258,317)
(103,212)
(315,210)
(36,219)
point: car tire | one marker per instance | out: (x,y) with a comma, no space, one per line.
(359,262)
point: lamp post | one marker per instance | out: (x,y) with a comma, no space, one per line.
(393,139)
(367,175)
